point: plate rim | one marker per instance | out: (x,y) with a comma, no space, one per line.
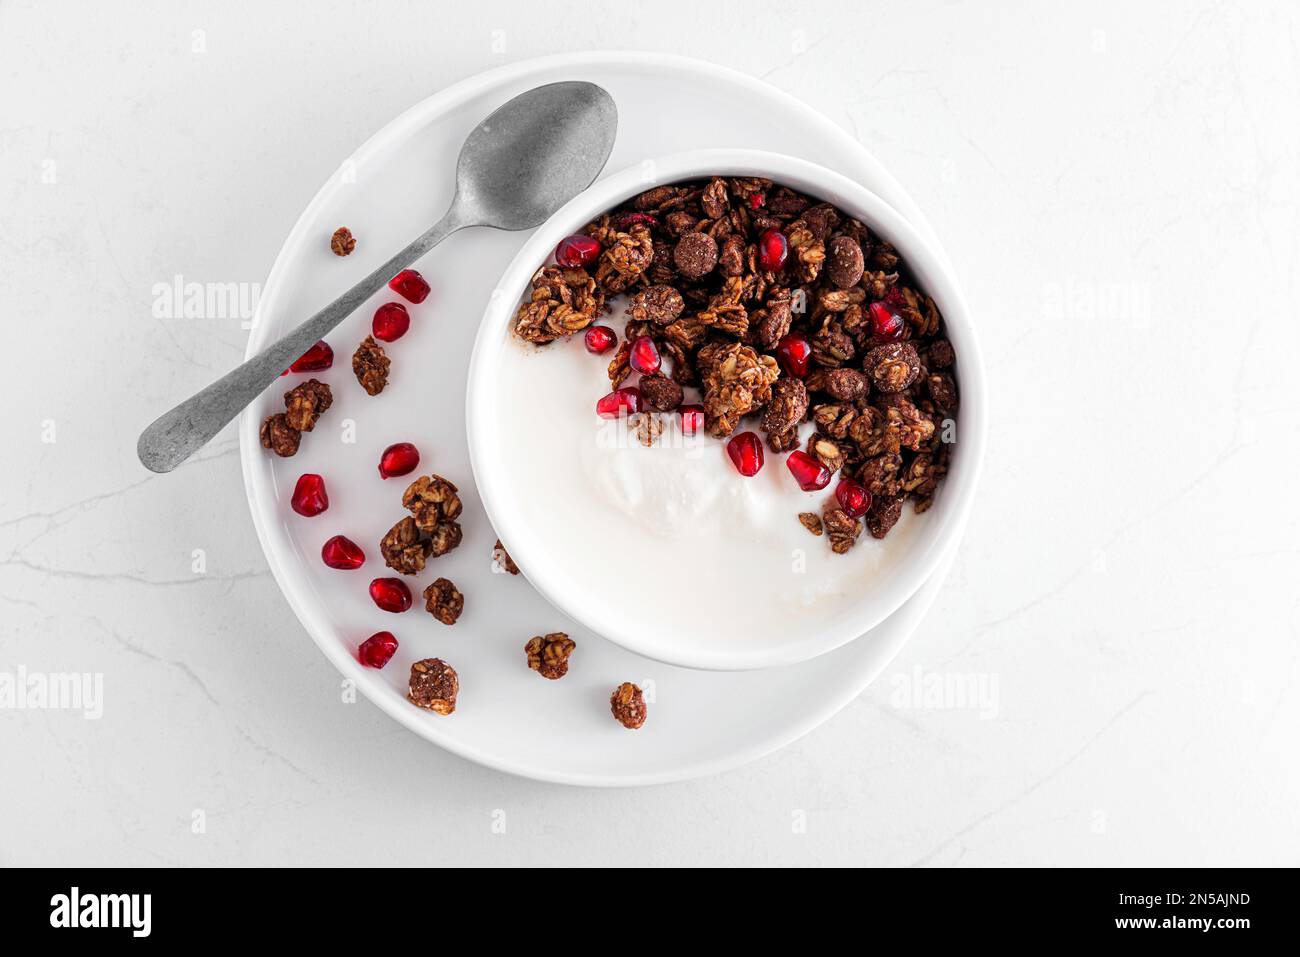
(403,124)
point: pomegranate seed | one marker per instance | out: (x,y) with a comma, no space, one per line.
(746,451)
(410,285)
(318,357)
(757,200)
(692,419)
(391,321)
(811,475)
(644,357)
(773,248)
(342,552)
(625,221)
(309,497)
(390,594)
(885,322)
(575,251)
(377,650)
(619,402)
(793,353)
(599,339)
(853,498)
(399,459)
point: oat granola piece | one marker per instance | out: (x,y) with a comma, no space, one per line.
(901,425)
(501,558)
(732,255)
(832,346)
(626,258)
(306,402)
(628,705)
(878,283)
(841,529)
(783,441)
(714,198)
(943,392)
(846,385)
(444,601)
(826,451)
(811,521)
(279,436)
(940,355)
(844,262)
(695,255)
(884,515)
(807,252)
(563,301)
(772,322)
(342,243)
(660,304)
(835,418)
(785,410)
(548,655)
(646,426)
(737,381)
(434,686)
(893,366)
(444,537)
(660,393)
(433,501)
(370,366)
(879,474)
(403,548)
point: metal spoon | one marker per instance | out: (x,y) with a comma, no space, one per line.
(517,167)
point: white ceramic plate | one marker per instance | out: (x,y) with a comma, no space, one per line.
(507,716)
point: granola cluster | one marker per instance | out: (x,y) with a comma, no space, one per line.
(434,686)
(431,529)
(370,366)
(304,404)
(723,276)
(548,655)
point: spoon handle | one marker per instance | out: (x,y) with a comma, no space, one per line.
(176,435)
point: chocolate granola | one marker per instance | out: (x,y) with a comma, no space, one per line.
(723,275)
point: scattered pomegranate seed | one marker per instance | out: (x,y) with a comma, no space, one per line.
(773,248)
(575,251)
(309,497)
(410,285)
(399,459)
(757,200)
(599,339)
(377,650)
(342,552)
(390,594)
(318,357)
(793,354)
(619,402)
(853,498)
(626,221)
(746,451)
(692,419)
(644,357)
(391,321)
(885,322)
(811,475)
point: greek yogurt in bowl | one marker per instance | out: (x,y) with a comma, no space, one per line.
(665,548)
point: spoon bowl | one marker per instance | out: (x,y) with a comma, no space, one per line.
(535,153)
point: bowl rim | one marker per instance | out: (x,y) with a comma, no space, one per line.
(922,557)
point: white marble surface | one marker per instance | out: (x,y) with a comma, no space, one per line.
(1119,185)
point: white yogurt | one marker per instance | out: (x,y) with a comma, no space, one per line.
(672,533)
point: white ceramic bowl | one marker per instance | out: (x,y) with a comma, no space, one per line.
(940,526)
